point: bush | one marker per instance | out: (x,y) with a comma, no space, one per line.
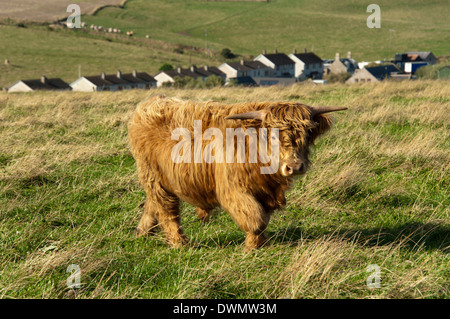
(166,67)
(213,81)
(429,72)
(179,82)
(227,54)
(340,77)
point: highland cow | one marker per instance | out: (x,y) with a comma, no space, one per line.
(238,187)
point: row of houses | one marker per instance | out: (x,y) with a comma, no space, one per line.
(265,69)
(102,82)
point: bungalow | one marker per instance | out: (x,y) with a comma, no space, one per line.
(43,83)
(113,82)
(279,63)
(373,74)
(307,65)
(338,65)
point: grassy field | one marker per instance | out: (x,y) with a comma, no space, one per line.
(377,194)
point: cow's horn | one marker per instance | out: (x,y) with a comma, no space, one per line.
(325,109)
(253,115)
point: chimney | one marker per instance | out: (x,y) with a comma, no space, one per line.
(337,57)
(304,50)
(119,74)
(179,70)
(43,79)
(349,54)
(134,73)
(295,51)
(103,75)
(206,68)
(192,68)
(276,51)
(242,62)
(264,52)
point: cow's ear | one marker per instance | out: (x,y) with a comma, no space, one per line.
(253,115)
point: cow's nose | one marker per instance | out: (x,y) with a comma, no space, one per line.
(288,169)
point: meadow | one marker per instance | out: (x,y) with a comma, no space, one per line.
(377,194)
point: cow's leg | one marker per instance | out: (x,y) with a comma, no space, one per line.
(203,215)
(168,215)
(160,209)
(148,220)
(250,216)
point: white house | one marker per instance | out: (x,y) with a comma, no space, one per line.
(279,63)
(39,84)
(307,65)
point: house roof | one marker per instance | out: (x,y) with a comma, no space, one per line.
(127,78)
(209,70)
(114,79)
(145,76)
(50,84)
(279,58)
(247,65)
(381,72)
(308,57)
(139,78)
(421,54)
(98,80)
(182,73)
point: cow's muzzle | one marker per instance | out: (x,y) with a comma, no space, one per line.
(291,169)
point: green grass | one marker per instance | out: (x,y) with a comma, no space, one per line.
(377,194)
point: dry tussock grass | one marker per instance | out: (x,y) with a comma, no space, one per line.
(370,156)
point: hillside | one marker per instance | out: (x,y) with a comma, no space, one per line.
(37,50)
(324,26)
(377,194)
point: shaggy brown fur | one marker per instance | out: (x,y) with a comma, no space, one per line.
(248,196)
